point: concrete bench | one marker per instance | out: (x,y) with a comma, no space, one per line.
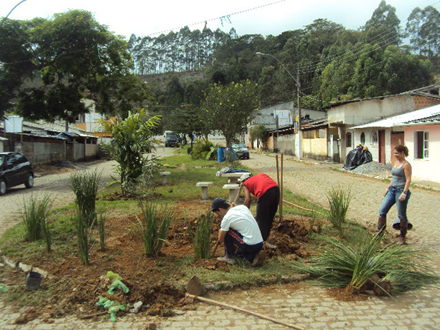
(233,190)
(164,177)
(204,186)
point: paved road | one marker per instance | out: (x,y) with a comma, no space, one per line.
(304,305)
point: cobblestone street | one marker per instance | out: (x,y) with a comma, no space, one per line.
(305,306)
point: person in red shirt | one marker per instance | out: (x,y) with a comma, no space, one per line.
(268,194)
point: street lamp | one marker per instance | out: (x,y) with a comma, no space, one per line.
(298,92)
(4,19)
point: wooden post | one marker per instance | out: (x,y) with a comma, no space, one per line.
(281,190)
(278,171)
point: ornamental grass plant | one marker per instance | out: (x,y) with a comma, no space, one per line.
(390,269)
(35,218)
(84,226)
(85,186)
(201,235)
(153,226)
(339,201)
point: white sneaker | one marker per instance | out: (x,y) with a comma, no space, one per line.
(259,259)
(227,260)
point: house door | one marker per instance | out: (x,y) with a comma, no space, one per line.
(382,146)
(396,139)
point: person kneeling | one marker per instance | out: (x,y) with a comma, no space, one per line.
(239,232)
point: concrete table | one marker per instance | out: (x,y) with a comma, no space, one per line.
(164,177)
(233,190)
(233,177)
(204,186)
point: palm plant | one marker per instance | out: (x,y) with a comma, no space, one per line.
(355,266)
(127,147)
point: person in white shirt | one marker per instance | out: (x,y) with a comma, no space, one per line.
(239,232)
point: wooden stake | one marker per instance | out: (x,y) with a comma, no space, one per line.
(210,301)
(280,210)
(302,208)
(278,171)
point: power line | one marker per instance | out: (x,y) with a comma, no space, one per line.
(224,18)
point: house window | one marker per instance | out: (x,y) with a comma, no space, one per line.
(363,138)
(308,134)
(373,139)
(421,142)
(348,140)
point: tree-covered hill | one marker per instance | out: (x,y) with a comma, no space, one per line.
(384,56)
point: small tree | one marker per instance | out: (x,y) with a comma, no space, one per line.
(258,133)
(230,108)
(127,147)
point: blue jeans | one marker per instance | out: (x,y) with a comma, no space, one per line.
(390,199)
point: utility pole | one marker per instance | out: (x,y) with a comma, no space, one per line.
(298,91)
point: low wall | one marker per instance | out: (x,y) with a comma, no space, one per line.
(315,148)
(46,150)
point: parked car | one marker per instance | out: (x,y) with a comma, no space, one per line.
(171,139)
(15,169)
(240,150)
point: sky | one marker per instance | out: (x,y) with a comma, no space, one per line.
(265,17)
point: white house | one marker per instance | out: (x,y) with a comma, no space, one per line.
(419,130)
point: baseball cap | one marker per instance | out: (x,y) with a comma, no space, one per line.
(218,203)
(244,177)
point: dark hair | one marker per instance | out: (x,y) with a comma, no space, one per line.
(401,148)
(219,203)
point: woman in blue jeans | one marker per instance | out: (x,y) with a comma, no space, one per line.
(397,193)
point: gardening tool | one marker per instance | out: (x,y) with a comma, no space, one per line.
(195,288)
(235,202)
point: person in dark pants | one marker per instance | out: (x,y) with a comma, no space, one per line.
(239,232)
(268,194)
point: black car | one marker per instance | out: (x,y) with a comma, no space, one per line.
(15,169)
(241,151)
(171,140)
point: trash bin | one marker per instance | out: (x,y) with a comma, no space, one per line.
(221,154)
(33,280)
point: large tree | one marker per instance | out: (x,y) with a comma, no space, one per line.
(423,28)
(48,66)
(231,107)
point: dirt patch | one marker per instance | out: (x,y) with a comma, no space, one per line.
(56,168)
(76,288)
(341,294)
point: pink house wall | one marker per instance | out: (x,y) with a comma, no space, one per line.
(425,168)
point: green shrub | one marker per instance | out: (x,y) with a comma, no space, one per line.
(202,149)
